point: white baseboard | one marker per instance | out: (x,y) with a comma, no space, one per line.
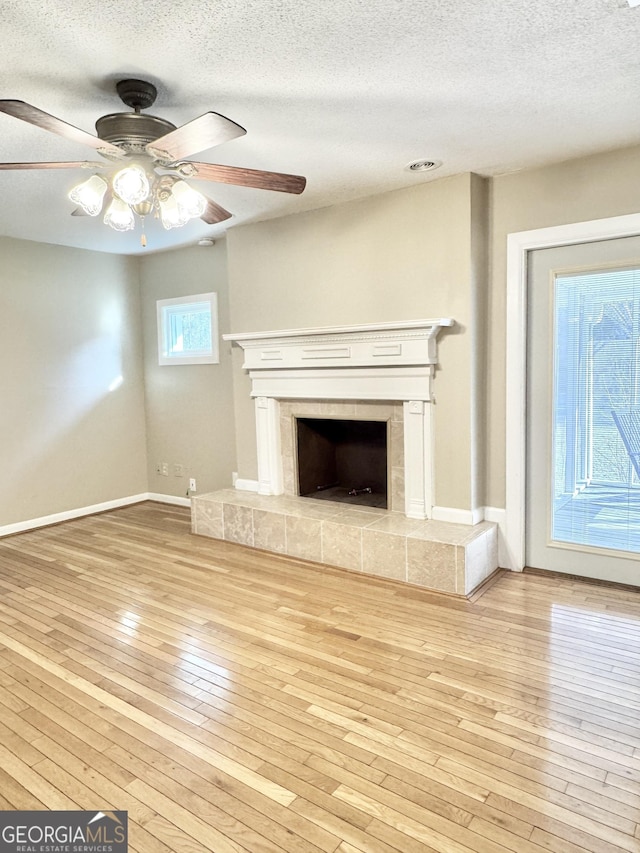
(487,513)
(68,515)
(168,499)
(499,516)
(495,514)
(57,517)
(457,516)
(246,485)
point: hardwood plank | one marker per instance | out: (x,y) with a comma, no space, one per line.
(234,818)
(17,796)
(441,792)
(196,774)
(535,809)
(117,704)
(202,832)
(77,748)
(353,836)
(629,810)
(91,788)
(24,775)
(430,839)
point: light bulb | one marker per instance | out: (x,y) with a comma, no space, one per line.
(119,216)
(131,184)
(89,195)
(193,203)
(172,214)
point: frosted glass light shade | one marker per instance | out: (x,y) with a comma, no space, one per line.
(191,201)
(89,194)
(119,216)
(172,214)
(131,185)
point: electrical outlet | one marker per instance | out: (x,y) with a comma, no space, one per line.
(192,484)
(178,470)
(158,467)
(165,469)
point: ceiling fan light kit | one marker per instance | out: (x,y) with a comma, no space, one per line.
(172,199)
(152,181)
(131,185)
(172,214)
(120,216)
(191,201)
(89,194)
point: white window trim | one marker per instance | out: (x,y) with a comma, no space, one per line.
(211,357)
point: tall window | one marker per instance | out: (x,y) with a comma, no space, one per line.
(596,412)
(188,330)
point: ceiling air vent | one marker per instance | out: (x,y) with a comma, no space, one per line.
(425,165)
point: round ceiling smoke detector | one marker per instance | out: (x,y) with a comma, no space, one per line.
(206,242)
(423,165)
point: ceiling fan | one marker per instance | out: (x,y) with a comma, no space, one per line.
(144,169)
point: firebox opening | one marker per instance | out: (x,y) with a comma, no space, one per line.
(343,460)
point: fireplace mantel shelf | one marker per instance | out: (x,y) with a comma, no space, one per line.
(400,326)
(409,342)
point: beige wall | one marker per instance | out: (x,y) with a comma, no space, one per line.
(70,328)
(189,408)
(478,295)
(403,255)
(594,187)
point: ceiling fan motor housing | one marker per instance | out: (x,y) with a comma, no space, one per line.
(132,131)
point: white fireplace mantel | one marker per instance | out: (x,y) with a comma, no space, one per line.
(409,342)
(383,361)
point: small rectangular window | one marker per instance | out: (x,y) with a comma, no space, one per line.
(188,330)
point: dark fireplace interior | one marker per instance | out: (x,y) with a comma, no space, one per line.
(343,461)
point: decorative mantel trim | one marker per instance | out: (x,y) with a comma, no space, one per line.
(411,342)
(383,361)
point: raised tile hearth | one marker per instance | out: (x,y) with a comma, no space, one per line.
(452,558)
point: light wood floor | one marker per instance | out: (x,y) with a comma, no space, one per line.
(235,701)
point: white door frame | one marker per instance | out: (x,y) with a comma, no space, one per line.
(519,244)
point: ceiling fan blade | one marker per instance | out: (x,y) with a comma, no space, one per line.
(76,164)
(214,213)
(278,181)
(204,132)
(32,115)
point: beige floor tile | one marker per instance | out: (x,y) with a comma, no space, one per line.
(238,524)
(395,522)
(342,545)
(432,565)
(207,518)
(269,531)
(304,537)
(384,554)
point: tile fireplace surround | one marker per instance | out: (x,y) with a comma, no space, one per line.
(377,372)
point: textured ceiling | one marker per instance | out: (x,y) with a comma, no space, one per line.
(345,92)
